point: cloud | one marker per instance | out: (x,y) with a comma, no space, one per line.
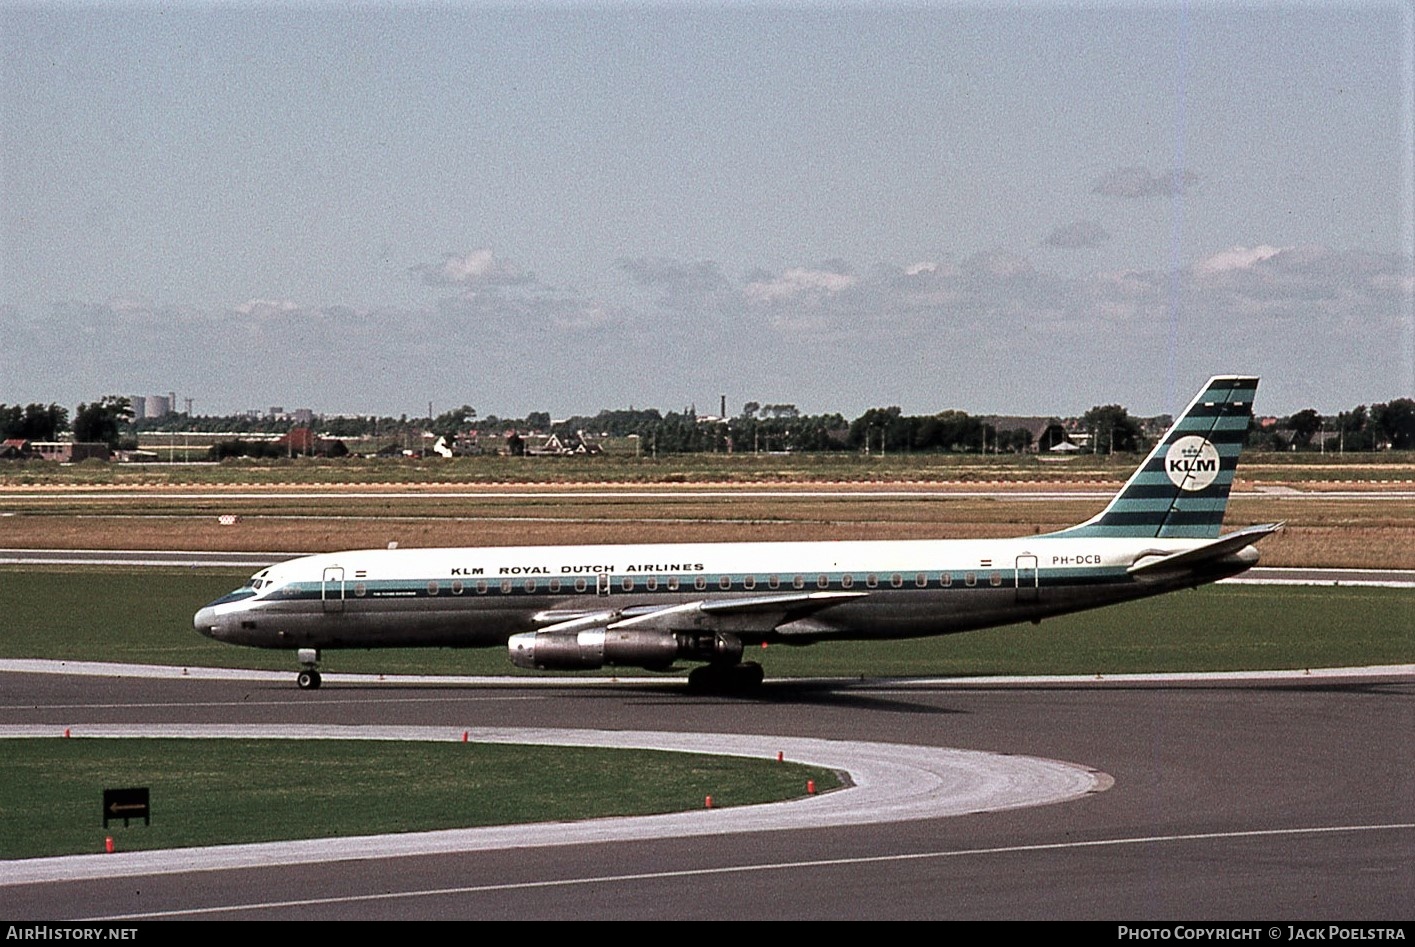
(1311,283)
(800,283)
(936,328)
(131,304)
(1236,258)
(128,313)
(477,269)
(999,264)
(680,284)
(498,297)
(521,315)
(1078,235)
(662,271)
(1135,182)
(263,309)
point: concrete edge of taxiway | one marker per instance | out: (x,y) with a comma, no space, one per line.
(888,783)
(157,671)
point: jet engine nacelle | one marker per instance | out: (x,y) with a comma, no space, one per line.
(597,647)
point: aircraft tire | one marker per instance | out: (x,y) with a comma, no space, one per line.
(308,680)
(751,674)
(726,679)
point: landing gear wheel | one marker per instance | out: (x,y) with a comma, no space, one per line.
(308,678)
(726,679)
(750,674)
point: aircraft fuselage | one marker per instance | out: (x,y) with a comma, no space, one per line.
(479,597)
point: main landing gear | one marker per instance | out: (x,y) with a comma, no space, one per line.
(308,678)
(741,678)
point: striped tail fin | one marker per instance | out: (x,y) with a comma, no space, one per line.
(1181,490)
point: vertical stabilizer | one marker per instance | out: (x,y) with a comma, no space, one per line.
(1181,490)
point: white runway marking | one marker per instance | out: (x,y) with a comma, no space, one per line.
(891,783)
(768,866)
(162,671)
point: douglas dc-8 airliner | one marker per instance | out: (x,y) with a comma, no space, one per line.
(584,607)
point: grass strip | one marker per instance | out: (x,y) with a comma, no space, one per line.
(620,464)
(209,792)
(144,616)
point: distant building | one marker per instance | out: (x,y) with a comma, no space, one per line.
(66,452)
(555,447)
(1045,433)
(304,441)
(300,440)
(156,406)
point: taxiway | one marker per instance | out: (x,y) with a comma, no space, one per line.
(1289,798)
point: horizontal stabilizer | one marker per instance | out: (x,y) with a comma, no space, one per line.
(1223,546)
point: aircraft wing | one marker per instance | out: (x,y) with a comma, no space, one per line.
(1223,546)
(706,629)
(760,613)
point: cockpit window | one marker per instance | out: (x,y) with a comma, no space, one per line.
(245,591)
(255,585)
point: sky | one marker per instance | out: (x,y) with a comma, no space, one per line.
(1017,208)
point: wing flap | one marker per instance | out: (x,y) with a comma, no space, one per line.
(760,613)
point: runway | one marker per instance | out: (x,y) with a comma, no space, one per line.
(1260,799)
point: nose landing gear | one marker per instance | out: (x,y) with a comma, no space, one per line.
(308,678)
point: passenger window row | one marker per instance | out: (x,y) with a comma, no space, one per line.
(726,583)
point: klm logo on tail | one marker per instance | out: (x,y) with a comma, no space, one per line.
(1192,463)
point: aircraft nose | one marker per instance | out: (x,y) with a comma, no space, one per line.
(205,621)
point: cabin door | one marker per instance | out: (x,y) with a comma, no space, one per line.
(601,586)
(332,591)
(1026,575)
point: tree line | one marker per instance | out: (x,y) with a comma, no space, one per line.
(781,427)
(102,421)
